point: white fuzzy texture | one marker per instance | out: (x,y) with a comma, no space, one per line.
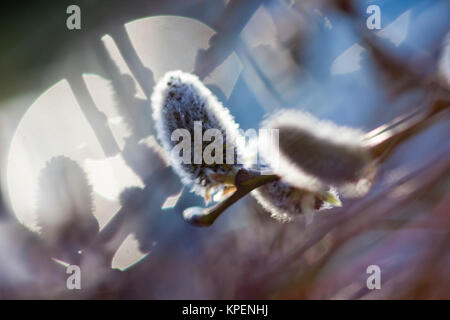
(285,202)
(335,155)
(178,100)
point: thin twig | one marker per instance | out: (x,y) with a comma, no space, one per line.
(245,182)
(384,142)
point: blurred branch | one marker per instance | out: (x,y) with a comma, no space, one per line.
(385,139)
(96,118)
(228,27)
(244,53)
(143,75)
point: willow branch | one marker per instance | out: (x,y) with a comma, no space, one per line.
(245,181)
(381,142)
(385,139)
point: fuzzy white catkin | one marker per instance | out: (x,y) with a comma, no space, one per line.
(284,202)
(315,154)
(178,100)
(65,204)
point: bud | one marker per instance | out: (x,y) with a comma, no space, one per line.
(315,154)
(284,202)
(65,204)
(184,108)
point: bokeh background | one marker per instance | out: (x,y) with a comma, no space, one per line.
(85,182)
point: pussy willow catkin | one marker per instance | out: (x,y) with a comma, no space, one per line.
(284,202)
(65,204)
(181,101)
(317,153)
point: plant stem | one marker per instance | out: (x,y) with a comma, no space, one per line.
(385,139)
(245,182)
(381,142)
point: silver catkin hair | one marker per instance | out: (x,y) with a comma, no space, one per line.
(284,202)
(317,153)
(178,100)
